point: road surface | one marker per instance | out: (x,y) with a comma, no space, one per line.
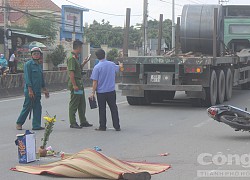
(195,143)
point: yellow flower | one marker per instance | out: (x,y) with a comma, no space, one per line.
(49,119)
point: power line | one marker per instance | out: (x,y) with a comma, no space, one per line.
(39,17)
(110,14)
(170,3)
(193,1)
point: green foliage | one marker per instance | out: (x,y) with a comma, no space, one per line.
(112,54)
(153,29)
(104,33)
(57,56)
(43,27)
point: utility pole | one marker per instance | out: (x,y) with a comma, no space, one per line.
(160,35)
(173,25)
(126,33)
(215,33)
(5,27)
(145,27)
(74,29)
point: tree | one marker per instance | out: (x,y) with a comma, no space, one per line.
(153,29)
(104,33)
(112,54)
(44,26)
(57,56)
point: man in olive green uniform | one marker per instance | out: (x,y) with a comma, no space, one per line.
(34,82)
(75,84)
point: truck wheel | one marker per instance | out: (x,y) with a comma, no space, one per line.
(146,100)
(221,87)
(139,100)
(229,85)
(211,91)
(133,100)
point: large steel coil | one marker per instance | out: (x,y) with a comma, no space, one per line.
(197,24)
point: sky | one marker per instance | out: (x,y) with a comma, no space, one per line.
(118,8)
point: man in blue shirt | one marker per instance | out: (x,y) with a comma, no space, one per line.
(103,77)
(34,83)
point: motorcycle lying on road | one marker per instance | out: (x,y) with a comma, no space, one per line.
(235,117)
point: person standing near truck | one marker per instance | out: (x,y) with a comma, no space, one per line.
(75,85)
(103,77)
(34,83)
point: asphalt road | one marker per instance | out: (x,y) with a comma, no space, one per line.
(185,132)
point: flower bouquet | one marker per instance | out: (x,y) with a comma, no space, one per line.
(48,130)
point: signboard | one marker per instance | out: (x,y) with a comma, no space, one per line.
(70,16)
(72,22)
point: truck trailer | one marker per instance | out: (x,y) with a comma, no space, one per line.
(212,55)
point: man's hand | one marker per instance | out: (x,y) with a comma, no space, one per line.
(76,88)
(121,66)
(92,96)
(31,93)
(46,93)
(85,61)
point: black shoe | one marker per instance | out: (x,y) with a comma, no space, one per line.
(76,126)
(40,128)
(100,129)
(86,124)
(118,129)
(136,176)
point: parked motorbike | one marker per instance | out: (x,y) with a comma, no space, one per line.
(235,117)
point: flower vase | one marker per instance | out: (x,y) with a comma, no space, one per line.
(42,151)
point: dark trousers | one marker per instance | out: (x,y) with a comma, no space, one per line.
(11,67)
(110,98)
(35,104)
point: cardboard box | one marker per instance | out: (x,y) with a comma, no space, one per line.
(26,147)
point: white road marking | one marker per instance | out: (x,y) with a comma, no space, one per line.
(54,93)
(12,99)
(123,102)
(202,123)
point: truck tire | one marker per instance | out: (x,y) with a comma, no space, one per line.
(133,100)
(139,100)
(221,86)
(229,85)
(211,91)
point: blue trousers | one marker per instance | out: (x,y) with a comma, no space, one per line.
(35,104)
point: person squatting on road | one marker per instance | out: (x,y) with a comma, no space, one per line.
(34,83)
(3,65)
(75,85)
(103,77)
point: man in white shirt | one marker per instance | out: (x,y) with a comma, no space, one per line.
(13,63)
